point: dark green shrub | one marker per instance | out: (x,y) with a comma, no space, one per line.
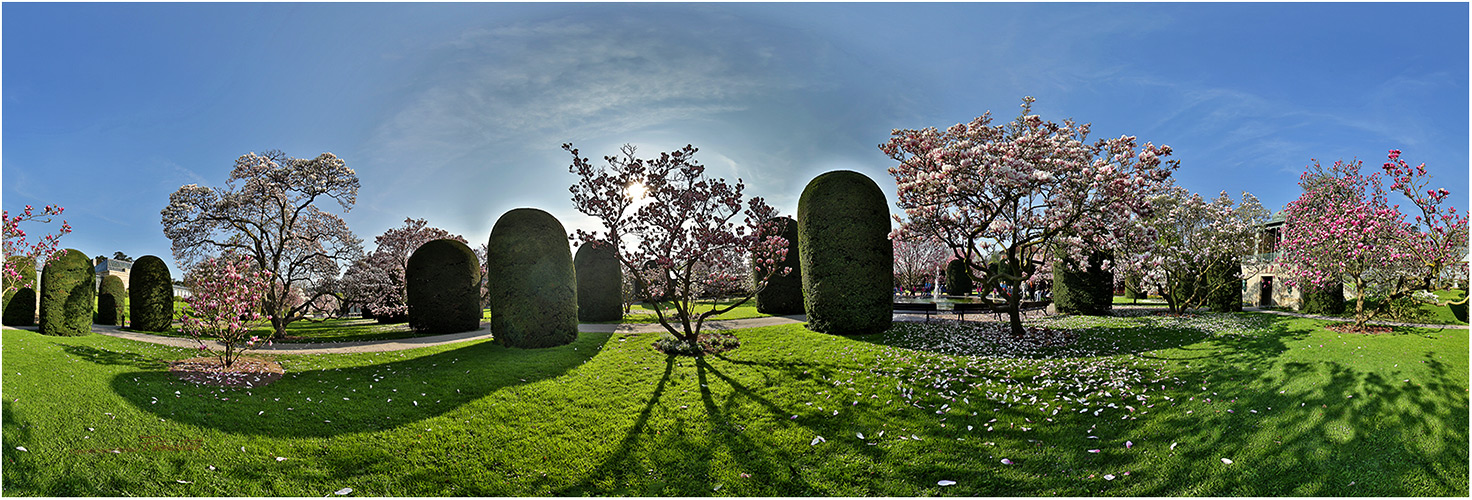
(958,278)
(783,294)
(1327,299)
(846,257)
(442,287)
(112,301)
(600,283)
(533,285)
(151,296)
(1089,292)
(1225,287)
(67,295)
(20,304)
(1459,311)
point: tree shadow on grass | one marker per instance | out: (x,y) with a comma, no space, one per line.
(617,469)
(356,399)
(106,357)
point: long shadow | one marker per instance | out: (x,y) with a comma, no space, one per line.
(349,400)
(615,469)
(106,357)
(14,432)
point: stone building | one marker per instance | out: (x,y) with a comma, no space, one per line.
(103,267)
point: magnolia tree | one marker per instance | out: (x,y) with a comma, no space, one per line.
(15,242)
(679,229)
(918,258)
(225,305)
(1022,190)
(269,210)
(1183,237)
(377,280)
(1344,227)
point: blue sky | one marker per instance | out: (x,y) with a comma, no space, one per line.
(456,112)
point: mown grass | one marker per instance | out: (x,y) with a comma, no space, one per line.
(326,330)
(1426,314)
(1298,409)
(642,313)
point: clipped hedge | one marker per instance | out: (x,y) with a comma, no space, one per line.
(600,282)
(1328,299)
(1225,282)
(533,285)
(847,258)
(442,287)
(1089,292)
(783,293)
(958,278)
(20,304)
(112,301)
(67,295)
(151,296)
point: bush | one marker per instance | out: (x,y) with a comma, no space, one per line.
(67,295)
(846,257)
(20,304)
(1225,292)
(783,294)
(1328,299)
(706,343)
(151,296)
(1089,292)
(600,283)
(958,278)
(112,301)
(533,285)
(442,287)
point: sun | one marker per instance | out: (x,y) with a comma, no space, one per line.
(636,191)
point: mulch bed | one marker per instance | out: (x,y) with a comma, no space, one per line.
(1368,329)
(244,372)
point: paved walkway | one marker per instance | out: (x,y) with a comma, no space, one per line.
(484,332)
(1331,318)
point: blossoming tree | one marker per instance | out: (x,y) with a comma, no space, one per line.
(679,230)
(377,280)
(1020,190)
(269,210)
(1186,237)
(15,242)
(1344,226)
(225,305)
(918,259)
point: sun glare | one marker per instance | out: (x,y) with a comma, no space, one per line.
(636,191)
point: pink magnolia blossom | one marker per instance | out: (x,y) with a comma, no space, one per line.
(225,304)
(15,242)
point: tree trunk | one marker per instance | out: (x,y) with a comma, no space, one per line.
(1359,304)
(1014,310)
(278,325)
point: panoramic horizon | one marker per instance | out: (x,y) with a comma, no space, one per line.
(456,113)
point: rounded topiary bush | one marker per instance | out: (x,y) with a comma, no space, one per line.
(958,279)
(67,295)
(600,282)
(783,294)
(533,286)
(20,303)
(151,296)
(112,301)
(442,287)
(846,257)
(1088,292)
(1327,299)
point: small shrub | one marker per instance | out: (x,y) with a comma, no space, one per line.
(1225,292)
(112,301)
(1327,299)
(532,285)
(600,282)
(958,278)
(151,296)
(442,287)
(783,294)
(847,258)
(707,343)
(67,295)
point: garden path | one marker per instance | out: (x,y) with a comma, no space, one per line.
(1331,318)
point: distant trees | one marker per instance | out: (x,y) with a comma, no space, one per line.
(918,259)
(270,210)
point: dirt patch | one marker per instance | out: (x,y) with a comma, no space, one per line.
(244,372)
(1367,330)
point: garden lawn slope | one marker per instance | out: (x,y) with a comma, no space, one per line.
(1298,410)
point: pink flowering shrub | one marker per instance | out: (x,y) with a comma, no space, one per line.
(226,305)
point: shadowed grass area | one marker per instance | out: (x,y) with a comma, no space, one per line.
(327,330)
(1425,314)
(1299,410)
(643,313)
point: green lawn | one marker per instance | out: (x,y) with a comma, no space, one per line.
(1298,410)
(642,313)
(329,330)
(1428,314)
(1120,300)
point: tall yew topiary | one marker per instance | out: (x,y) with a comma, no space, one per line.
(600,282)
(112,301)
(783,294)
(958,278)
(1088,292)
(442,287)
(20,301)
(151,296)
(1224,282)
(847,258)
(533,285)
(1326,299)
(67,294)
